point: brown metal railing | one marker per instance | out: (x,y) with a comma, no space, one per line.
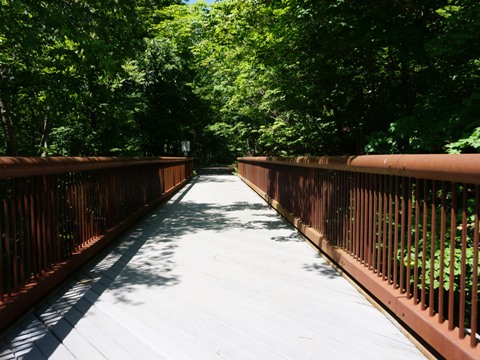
(406,227)
(56,213)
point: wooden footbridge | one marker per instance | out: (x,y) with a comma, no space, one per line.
(213,273)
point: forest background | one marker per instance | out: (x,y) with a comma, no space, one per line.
(239,77)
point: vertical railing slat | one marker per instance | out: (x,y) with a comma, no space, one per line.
(433,249)
(463,264)
(395,236)
(443,232)
(475,265)
(453,229)
(423,291)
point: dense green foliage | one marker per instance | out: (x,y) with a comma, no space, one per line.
(76,77)
(239,77)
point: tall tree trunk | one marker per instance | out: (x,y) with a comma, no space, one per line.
(42,151)
(11,144)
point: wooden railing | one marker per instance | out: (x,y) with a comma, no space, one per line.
(405,227)
(57,213)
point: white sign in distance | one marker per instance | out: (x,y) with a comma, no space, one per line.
(185,146)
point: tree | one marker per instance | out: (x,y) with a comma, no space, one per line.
(287,77)
(336,77)
(65,82)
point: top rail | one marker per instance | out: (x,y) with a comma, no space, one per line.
(14,167)
(464,168)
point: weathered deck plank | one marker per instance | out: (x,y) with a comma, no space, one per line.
(212,274)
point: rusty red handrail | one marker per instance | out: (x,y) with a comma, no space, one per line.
(56,213)
(396,224)
(447,167)
(12,167)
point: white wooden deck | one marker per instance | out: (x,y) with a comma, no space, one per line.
(213,274)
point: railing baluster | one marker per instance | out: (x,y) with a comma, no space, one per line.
(383,253)
(441,278)
(376,233)
(395,236)
(351,214)
(3,273)
(13,234)
(389,262)
(475,265)
(24,250)
(417,240)
(409,239)
(368,238)
(424,246)
(433,244)
(355,214)
(7,268)
(453,230)
(463,265)
(403,282)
